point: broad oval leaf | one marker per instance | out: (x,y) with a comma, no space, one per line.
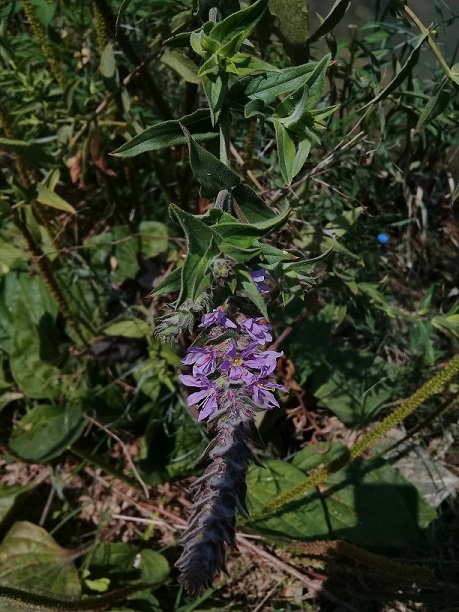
(30,559)
(10,498)
(46,431)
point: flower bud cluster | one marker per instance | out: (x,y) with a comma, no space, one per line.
(233,374)
(172,326)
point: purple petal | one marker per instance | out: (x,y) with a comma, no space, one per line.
(191,381)
(195,398)
(208,407)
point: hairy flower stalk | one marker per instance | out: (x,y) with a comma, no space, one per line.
(232,374)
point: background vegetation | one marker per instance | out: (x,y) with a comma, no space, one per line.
(98,446)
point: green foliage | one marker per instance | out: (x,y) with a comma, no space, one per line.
(349,507)
(95,247)
(29,556)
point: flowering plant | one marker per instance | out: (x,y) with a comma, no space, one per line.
(229,263)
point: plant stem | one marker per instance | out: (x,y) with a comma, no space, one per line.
(421,27)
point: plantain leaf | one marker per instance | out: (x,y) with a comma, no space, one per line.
(46,431)
(31,559)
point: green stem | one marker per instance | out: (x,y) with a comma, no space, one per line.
(54,603)
(224,132)
(421,27)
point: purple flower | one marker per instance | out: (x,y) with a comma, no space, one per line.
(258,329)
(262,395)
(235,367)
(204,360)
(207,395)
(217,317)
(265,361)
(259,277)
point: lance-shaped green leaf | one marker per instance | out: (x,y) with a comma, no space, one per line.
(401,75)
(254,210)
(47,197)
(335,15)
(291,158)
(241,235)
(295,121)
(269,87)
(238,254)
(202,248)
(246,284)
(182,65)
(214,176)
(202,44)
(215,85)
(242,64)
(233,30)
(209,171)
(169,134)
(434,107)
(169,284)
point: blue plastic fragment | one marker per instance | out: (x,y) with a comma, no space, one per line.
(383,238)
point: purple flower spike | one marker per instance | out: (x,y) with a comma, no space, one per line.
(217,317)
(207,395)
(259,277)
(258,329)
(204,360)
